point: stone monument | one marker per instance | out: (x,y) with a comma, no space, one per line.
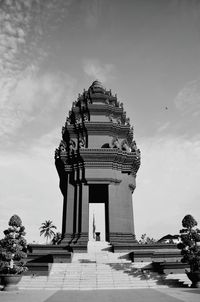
(97,161)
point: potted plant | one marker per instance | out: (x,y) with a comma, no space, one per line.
(13,251)
(190,248)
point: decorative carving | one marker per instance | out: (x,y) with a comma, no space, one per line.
(131,130)
(68,121)
(85,117)
(63,147)
(115,143)
(131,187)
(127,121)
(119,120)
(133,146)
(135,149)
(73,150)
(72,145)
(111,118)
(81,143)
(57,153)
(121,105)
(138,153)
(78,118)
(130,136)
(125,146)
(63,130)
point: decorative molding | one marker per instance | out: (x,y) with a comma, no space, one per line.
(103,180)
(101,128)
(101,109)
(112,158)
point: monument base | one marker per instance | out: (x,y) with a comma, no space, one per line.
(122,242)
(76,242)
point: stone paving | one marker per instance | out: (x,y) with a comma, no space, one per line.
(137,295)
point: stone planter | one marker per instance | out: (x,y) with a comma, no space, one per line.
(10,282)
(195,278)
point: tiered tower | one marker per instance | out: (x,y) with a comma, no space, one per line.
(97,161)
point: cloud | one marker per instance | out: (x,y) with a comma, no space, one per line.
(92,10)
(23,26)
(167,184)
(94,69)
(163,127)
(35,101)
(25,95)
(188,99)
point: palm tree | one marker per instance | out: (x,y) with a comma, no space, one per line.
(46,229)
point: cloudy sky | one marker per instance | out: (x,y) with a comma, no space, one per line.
(146,51)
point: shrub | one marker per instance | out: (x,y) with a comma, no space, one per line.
(13,248)
(190,249)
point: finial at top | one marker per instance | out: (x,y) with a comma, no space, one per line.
(97,84)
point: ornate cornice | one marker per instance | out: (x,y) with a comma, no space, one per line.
(102,109)
(100,128)
(114,159)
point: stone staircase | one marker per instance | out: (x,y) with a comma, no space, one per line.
(101,269)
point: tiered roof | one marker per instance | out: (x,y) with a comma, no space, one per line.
(98,113)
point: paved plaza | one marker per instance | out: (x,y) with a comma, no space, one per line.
(136,295)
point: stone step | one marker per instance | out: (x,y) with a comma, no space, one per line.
(98,246)
(96,281)
(102,270)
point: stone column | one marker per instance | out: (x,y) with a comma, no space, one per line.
(68,213)
(121,216)
(82,218)
(85,211)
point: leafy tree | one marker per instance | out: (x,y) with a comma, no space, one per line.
(146,240)
(57,238)
(190,236)
(46,229)
(13,248)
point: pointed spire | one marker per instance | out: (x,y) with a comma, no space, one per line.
(97,85)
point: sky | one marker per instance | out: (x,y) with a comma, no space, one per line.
(145,51)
